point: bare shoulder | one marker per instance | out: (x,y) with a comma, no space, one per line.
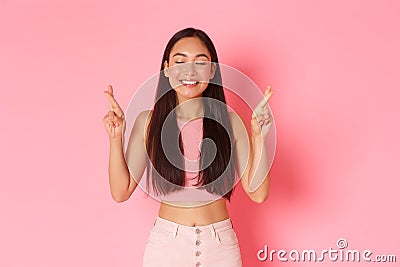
(142,122)
(144,117)
(238,125)
(235,119)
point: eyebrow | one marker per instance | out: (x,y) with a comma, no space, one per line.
(184,55)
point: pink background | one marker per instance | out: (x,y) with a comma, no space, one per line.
(333,64)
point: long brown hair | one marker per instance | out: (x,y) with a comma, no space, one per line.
(217,177)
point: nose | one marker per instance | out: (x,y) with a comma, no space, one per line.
(190,69)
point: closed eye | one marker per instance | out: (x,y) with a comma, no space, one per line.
(197,62)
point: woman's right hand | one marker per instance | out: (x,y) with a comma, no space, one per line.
(114,120)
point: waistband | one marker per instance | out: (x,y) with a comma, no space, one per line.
(174,227)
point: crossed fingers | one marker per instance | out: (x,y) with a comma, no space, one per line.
(261,111)
(114,106)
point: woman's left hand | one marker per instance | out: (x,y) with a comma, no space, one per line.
(261,120)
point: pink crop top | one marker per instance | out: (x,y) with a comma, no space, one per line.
(192,135)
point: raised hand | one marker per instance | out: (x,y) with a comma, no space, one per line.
(114,120)
(261,120)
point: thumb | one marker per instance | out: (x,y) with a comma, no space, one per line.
(119,113)
(111,114)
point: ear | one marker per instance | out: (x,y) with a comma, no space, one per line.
(213,70)
(166,69)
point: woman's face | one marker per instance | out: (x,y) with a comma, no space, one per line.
(189,68)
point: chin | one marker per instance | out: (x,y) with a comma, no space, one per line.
(190,96)
(188,93)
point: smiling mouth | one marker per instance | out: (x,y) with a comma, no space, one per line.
(189,82)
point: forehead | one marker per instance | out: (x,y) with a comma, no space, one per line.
(191,46)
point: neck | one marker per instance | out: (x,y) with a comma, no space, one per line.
(190,109)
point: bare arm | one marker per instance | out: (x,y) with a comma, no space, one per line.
(245,158)
(119,177)
(251,153)
(259,173)
(122,183)
(125,174)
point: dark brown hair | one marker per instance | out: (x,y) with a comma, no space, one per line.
(217,177)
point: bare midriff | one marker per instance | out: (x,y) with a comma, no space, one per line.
(195,215)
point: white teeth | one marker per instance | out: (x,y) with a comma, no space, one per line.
(188,82)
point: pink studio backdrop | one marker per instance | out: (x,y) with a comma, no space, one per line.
(333,66)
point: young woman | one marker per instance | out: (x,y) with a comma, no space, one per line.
(188,88)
